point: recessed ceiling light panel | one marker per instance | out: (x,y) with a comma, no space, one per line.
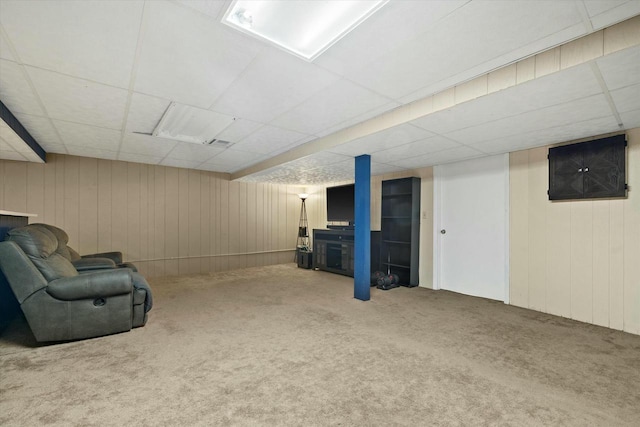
(190,124)
(304,28)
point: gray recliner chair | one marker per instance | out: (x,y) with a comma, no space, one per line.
(85,262)
(61,304)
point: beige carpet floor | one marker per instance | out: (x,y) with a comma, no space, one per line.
(285,346)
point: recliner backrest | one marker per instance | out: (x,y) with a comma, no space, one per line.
(63,241)
(40,245)
(23,277)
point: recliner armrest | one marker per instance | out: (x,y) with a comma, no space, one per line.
(115,256)
(84,264)
(95,285)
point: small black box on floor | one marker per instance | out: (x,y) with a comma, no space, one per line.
(305,259)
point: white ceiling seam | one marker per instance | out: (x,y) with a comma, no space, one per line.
(132,76)
(400,115)
(582,9)
(605,90)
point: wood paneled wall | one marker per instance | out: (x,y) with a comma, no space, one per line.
(576,259)
(169,221)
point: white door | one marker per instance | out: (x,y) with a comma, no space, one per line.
(471,246)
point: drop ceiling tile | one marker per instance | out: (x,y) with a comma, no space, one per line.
(476,32)
(385,139)
(396,23)
(606,13)
(139,158)
(146,145)
(233,158)
(627,99)
(358,119)
(145,113)
(574,83)
(32,157)
(180,163)
(238,130)
(41,129)
(631,119)
(336,104)
(194,152)
(268,139)
(11,155)
(11,138)
(5,51)
(441,157)
(265,91)
(592,107)
(210,8)
(189,58)
(80,101)
(86,136)
(382,168)
(15,91)
(417,148)
(92,40)
(88,151)
(621,69)
(550,135)
(4,145)
(320,159)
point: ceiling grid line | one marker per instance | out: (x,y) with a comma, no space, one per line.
(605,90)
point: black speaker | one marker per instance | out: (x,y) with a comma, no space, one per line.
(305,259)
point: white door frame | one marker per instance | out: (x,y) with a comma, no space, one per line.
(437,226)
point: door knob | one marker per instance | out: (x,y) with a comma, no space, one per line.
(443,231)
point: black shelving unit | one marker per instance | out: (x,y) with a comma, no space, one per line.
(400,229)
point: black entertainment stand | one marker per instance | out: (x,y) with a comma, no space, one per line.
(333,250)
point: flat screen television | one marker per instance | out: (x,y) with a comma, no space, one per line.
(340,203)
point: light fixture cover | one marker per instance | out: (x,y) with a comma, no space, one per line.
(304,28)
(191,124)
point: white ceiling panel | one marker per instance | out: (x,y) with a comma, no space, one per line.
(211,8)
(4,145)
(12,155)
(232,159)
(180,163)
(15,91)
(339,102)
(80,135)
(5,50)
(238,130)
(41,129)
(477,32)
(381,168)
(194,152)
(550,135)
(319,160)
(574,83)
(77,100)
(440,157)
(621,68)
(593,107)
(146,145)
(397,23)
(382,140)
(145,112)
(87,151)
(98,40)
(358,119)
(263,91)
(608,12)
(631,119)
(268,139)
(139,158)
(627,99)
(417,148)
(188,57)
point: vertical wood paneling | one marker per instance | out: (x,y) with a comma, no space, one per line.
(592,248)
(223,210)
(35,190)
(252,229)
(3,179)
(234,224)
(15,186)
(616,262)
(171,221)
(205,222)
(159,236)
(88,206)
(145,220)
(632,238)
(519,228)
(59,191)
(183,221)
(49,185)
(119,208)
(133,211)
(71,207)
(215,222)
(581,258)
(195,226)
(600,262)
(104,205)
(242,220)
(537,223)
